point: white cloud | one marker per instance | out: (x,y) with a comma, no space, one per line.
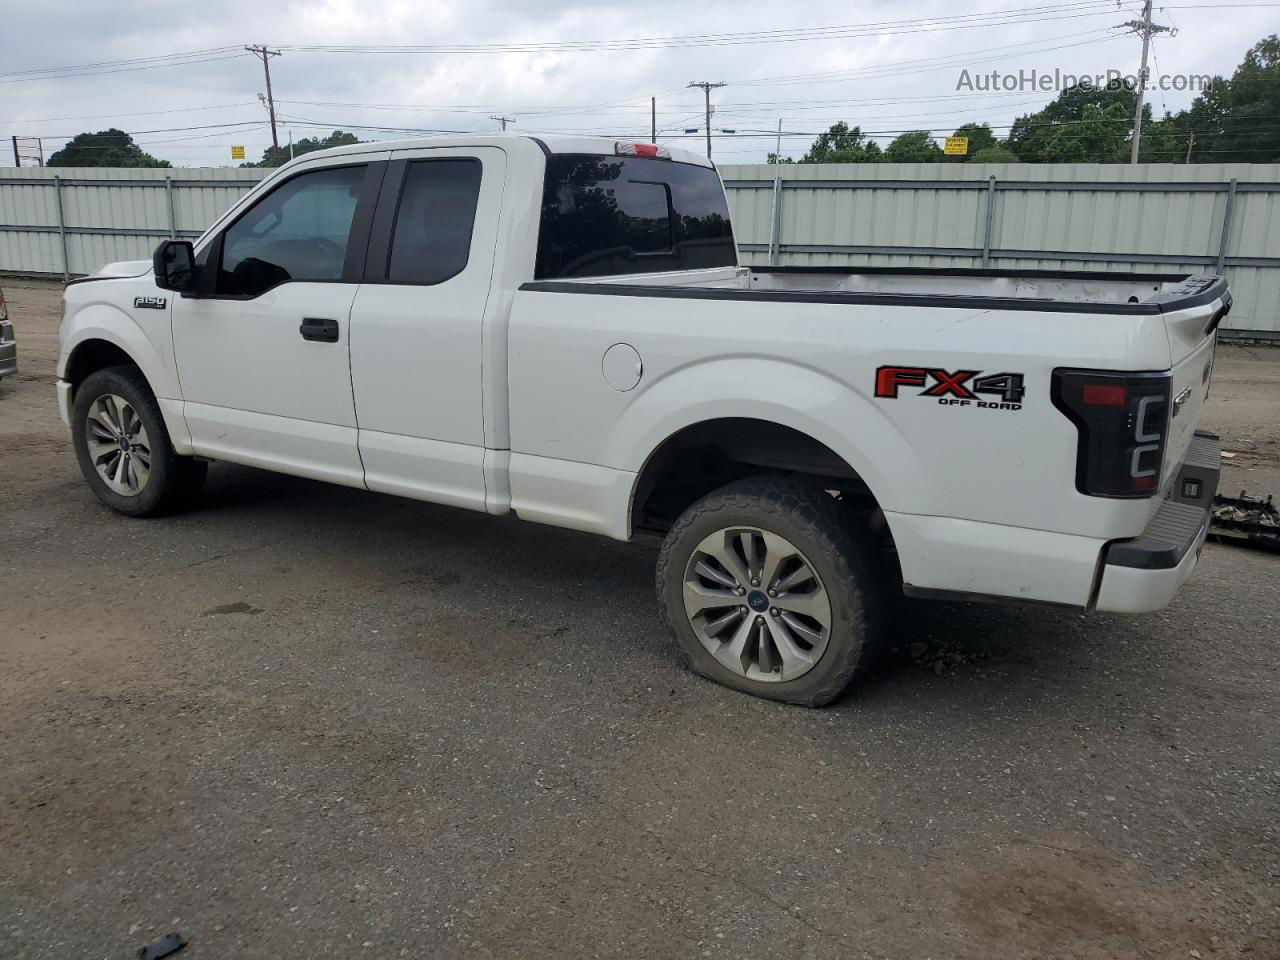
(593,91)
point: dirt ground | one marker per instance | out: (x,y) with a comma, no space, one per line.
(304,721)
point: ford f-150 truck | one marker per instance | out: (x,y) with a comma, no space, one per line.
(560,329)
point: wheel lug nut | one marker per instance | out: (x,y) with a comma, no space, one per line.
(775,611)
(741,591)
(755,582)
(773,593)
(759,619)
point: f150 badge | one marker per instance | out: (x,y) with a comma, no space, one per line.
(149,303)
(963,388)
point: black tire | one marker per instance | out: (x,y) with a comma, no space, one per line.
(826,532)
(173,480)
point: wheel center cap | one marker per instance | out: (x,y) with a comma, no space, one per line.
(757,601)
(124,444)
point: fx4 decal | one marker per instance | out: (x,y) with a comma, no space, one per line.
(963,388)
(149,303)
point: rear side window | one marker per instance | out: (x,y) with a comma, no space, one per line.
(622,215)
(431,240)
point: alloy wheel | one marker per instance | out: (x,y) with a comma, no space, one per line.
(118,445)
(757,604)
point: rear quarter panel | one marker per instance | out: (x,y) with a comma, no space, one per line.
(812,366)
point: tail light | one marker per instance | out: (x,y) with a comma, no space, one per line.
(4,311)
(1123,420)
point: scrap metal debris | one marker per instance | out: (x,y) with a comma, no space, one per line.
(166,946)
(1245,520)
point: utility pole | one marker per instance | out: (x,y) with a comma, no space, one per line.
(653,119)
(265,55)
(504,121)
(17,157)
(706,90)
(1191,143)
(1146,29)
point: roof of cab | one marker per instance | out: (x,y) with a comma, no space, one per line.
(551,143)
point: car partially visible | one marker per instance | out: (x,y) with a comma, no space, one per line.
(8,346)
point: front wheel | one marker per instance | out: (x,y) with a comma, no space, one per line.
(123,446)
(769,592)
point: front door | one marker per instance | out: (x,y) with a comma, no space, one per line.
(263,349)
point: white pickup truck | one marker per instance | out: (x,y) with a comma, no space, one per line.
(560,329)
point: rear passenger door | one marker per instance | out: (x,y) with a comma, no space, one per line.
(418,322)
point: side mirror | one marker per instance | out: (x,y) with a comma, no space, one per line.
(174,263)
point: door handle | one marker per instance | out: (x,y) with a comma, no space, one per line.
(319,329)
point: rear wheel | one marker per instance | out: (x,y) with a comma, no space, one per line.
(768,591)
(123,446)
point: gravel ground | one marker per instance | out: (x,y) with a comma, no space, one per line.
(303,721)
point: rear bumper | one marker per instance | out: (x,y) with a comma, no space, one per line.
(943,557)
(1143,574)
(8,359)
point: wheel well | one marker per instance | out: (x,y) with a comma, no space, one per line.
(92,356)
(706,456)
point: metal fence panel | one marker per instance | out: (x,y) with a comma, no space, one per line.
(1157,217)
(1165,217)
(107,213)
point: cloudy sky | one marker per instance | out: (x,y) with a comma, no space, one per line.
(177,77)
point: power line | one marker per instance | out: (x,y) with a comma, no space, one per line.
(838,31)
(141,113)
(97,73)
(158,58)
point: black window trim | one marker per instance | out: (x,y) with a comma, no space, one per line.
(357,243)
(377,261)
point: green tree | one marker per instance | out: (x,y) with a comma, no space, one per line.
(918,146)
(993,154)
(1101,135)
(275,157)
(1165,140)
(1233,120)
(106,148)
(843,144)
(1099,117)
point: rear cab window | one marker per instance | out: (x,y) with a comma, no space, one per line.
(604,216)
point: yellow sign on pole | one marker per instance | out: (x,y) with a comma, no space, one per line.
(237,153)
(956,146)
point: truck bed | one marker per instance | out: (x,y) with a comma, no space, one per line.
(1064,291)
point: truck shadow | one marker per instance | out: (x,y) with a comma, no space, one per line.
(549,578)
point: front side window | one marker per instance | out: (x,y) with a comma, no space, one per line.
(299,231)
(431,240)
(626,215)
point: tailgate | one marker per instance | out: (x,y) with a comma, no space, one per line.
(1192,339)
